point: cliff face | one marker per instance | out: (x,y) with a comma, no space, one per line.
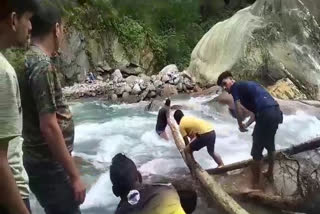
(268,41)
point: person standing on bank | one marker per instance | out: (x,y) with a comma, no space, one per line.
(268,116)
(48,128)
(15,28)
(162,120)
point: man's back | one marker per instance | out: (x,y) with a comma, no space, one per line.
(162,119)
(154,199)
(252,95)
(41,93)
(192,126)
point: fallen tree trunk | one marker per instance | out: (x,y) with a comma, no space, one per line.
(294,204)
(219,196)
(306,146)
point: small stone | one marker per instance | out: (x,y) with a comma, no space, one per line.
(114,97)
(136,89)
(125,95)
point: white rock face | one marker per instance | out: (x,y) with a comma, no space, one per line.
(267,41)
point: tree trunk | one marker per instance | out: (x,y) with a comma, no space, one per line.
(219,196)
(306,146)
(294,204)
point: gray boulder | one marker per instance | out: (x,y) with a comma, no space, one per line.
(116,76)
(267,41)
(136,89)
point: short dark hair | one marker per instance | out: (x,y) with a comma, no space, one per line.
(45,19)
(168,102)
(18,6)
(123,174)
(222,76)
(178,115)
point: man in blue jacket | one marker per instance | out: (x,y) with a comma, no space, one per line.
(267,115)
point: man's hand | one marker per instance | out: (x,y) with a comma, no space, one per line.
(242,127)
(79,189)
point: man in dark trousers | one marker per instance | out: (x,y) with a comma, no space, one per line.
(48,128)
(162,122)
(202,133)
(267,116)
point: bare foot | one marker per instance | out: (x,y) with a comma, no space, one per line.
(268,175)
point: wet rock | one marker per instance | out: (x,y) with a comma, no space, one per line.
(127,88)
(132,79)
(99,78)
(131,99)
(132,69)
(157,83)
(154,105)
(152,94)
(165,79)
(143,85)
(169,90)
(114,97)
(143,95)
(145,78)
(116,76)
(180,87)
(151,87)
(169,70)
(188,83)
(119,91)
(125,95)
(136,89)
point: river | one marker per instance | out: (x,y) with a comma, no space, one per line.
(104,129)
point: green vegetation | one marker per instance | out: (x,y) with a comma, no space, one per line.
(171,28)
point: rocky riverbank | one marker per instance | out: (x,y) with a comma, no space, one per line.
(130,86)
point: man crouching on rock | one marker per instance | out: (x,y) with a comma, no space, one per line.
(139,198)
(267,116)
(201,130)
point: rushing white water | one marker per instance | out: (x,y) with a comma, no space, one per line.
(104,130)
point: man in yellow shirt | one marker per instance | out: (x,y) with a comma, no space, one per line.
(202,131)
(139,198)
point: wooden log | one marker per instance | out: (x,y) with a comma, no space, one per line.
(215,191)
(294,204)
(306,146)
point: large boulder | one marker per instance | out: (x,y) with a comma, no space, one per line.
(169,90)
(116,76)
(267,41)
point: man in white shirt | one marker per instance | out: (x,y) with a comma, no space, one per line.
(15,27)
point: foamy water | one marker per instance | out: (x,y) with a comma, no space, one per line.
(104,130)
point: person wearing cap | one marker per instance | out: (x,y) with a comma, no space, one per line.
(267,116)
(201,131)
(162,120)
(15,28)
(139,198)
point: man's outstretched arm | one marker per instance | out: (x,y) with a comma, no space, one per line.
(53,136)
(238,115)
